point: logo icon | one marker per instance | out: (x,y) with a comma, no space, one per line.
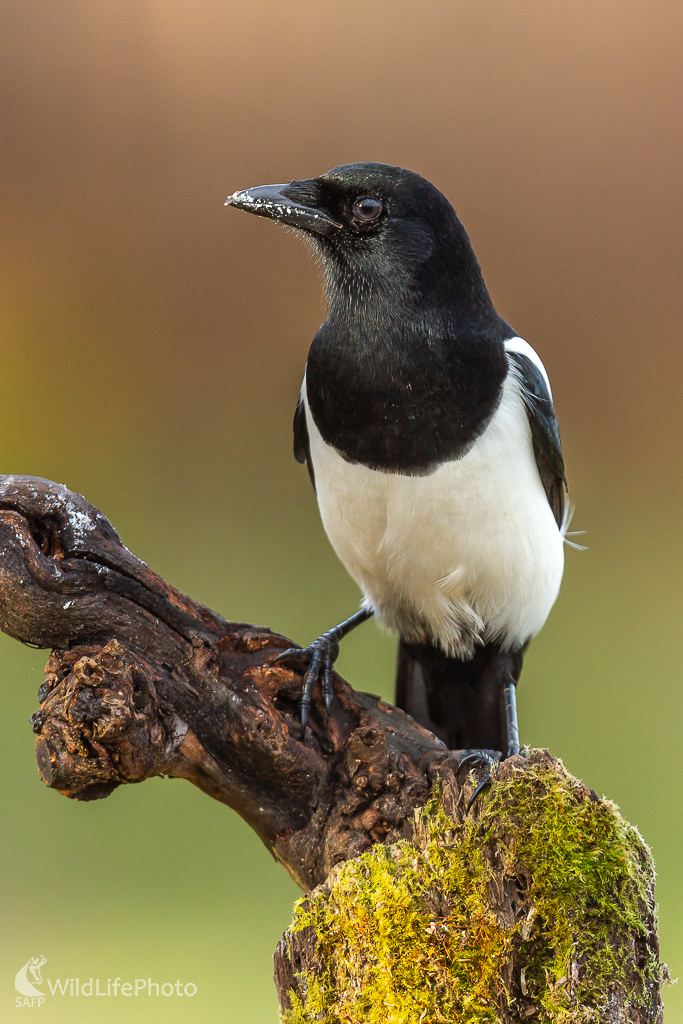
(23,983)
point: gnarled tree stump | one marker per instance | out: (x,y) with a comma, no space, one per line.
(537,905)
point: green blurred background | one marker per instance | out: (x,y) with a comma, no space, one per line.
(152,345)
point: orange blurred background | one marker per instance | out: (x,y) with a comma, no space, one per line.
(152,345)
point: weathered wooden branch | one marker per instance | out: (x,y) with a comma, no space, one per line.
(143,681)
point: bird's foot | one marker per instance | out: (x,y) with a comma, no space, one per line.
(319,659)
(480,759)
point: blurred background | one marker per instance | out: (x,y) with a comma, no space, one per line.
(152,345)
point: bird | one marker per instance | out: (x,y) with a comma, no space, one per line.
(428,428)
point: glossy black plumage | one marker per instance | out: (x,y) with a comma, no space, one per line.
(406,374)
(545,433)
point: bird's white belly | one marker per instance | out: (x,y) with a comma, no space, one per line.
(466,554)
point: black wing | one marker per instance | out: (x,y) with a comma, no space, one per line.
(545,432)
(302,445)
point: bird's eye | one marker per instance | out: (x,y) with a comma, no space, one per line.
(367,209)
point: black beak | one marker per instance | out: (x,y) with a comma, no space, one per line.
(272,201)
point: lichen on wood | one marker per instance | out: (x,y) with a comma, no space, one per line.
(530,908)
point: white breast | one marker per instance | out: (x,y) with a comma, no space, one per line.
(464,555)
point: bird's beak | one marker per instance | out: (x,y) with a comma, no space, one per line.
(272,201)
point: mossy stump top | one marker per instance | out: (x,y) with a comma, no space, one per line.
(537,906)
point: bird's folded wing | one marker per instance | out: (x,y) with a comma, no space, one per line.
(544,431)
(302,445)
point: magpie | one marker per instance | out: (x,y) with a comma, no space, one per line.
(428,428)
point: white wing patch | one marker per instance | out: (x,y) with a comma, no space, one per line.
(525,349)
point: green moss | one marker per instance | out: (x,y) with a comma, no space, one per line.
(415,932)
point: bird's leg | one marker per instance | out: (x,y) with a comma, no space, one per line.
(320,657)
(485,758)
(511,726)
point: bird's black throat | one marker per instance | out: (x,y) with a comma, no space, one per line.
(402,391)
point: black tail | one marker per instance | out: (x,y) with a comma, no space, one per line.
(460,701)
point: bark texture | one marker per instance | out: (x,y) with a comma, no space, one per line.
(144,681)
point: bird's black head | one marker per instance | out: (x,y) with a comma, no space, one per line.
(408,367)
(386,237)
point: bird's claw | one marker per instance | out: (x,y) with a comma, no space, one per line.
(483,784)
(479,758)
(320,657)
